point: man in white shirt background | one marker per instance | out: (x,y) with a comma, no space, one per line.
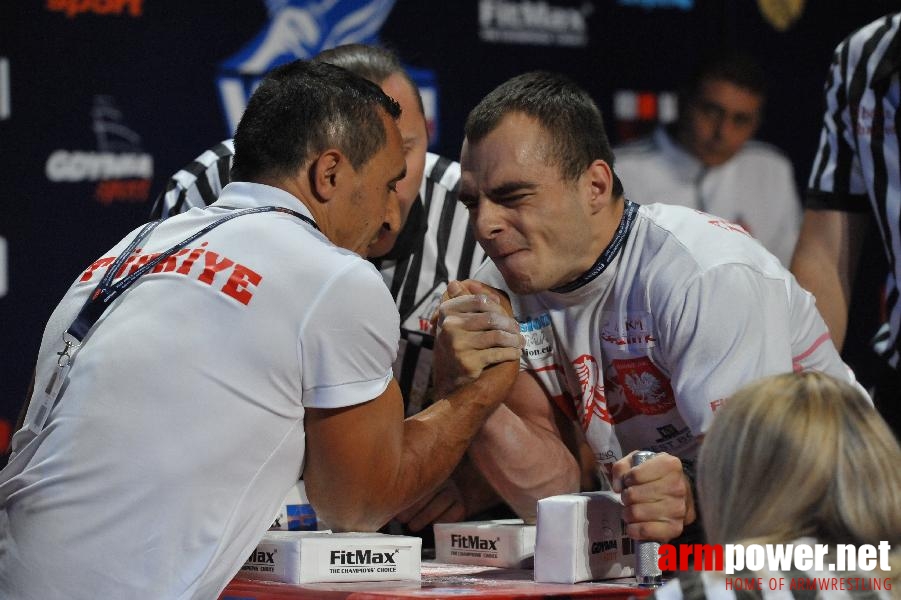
(708,160)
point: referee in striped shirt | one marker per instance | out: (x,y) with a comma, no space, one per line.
(857,174)
(433,246)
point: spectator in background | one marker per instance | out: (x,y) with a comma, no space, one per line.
(799,458)
(856,177)
(708,161)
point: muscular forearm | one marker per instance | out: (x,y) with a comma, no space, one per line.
(412,458)
(523,463)
(436,439)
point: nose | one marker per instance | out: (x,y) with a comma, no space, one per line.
(719,123)
(392,213)
(487,219)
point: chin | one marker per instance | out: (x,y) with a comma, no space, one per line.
(380,247)
(520,285)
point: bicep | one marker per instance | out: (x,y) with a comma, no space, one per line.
(349,450)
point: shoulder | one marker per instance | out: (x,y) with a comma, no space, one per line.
(441,171)
(212,155)
(675,243)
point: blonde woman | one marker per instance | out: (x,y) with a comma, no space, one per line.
(798,458)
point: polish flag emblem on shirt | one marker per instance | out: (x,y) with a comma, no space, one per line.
(647,390)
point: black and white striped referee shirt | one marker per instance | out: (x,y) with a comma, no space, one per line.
(435,246)
(857,164)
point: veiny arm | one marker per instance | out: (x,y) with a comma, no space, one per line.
(521,450)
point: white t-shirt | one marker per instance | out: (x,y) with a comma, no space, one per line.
(755,188)
(181,427)
(689,310)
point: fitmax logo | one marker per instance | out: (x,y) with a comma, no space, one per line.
(473,542)
(261,557)
(361,557)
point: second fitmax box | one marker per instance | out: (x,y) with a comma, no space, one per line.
(498,543)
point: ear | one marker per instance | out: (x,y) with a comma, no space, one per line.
(599,179)
(327,174)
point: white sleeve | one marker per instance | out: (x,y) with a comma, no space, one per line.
(349,340)
(727,327)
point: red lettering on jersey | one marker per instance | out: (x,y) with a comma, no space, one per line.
(240,278)
(211,266)
(168,264)
(141,261)
(102,262)
(127,262)
(186,265)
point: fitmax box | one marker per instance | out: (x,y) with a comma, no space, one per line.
(582,537)
(498,543)
(321,556)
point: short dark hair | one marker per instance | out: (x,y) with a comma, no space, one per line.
(375,63)
(302,108)
(737,67)
(573,122)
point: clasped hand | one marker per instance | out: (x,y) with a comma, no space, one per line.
(474,329)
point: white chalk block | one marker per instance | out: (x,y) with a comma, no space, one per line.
(321,556)
(497,543)
(581,537)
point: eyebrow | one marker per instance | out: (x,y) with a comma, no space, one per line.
(509,187)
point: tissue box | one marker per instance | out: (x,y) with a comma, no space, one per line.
(582,537)
(498,543)
(321,556)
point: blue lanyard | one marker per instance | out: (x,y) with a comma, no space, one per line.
(107,291)
(609,253)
